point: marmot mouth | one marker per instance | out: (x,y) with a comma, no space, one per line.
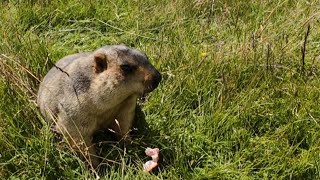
(143,98)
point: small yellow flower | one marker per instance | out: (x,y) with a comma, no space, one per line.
(203,54)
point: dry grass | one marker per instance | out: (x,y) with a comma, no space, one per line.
(239,99)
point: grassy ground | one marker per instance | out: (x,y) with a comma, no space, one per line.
(239,97)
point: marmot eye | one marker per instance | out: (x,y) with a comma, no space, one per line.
(127,68)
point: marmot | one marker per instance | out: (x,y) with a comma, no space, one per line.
(87,92)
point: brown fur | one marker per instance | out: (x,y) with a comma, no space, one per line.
(93,91)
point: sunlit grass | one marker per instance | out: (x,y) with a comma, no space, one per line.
(236,101)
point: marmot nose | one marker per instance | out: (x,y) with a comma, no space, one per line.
(152,80)
(156,80)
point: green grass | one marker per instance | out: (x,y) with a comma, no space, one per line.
(236,101)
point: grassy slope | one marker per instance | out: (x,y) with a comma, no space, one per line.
(235,101)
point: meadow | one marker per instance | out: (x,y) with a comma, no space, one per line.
(239,98)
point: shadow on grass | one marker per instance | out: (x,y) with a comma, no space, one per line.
(116,154)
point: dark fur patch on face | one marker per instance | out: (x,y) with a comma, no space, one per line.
(81,83)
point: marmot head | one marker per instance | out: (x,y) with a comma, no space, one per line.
(124,71)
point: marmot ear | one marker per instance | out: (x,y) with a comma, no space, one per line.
(100,62)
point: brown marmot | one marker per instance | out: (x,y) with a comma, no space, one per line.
(87,92)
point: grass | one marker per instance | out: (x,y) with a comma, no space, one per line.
(237,100)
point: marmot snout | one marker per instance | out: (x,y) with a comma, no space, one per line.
(87,92)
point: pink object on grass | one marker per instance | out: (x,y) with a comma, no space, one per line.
(154,154)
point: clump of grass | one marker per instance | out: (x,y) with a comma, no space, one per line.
(238,99)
